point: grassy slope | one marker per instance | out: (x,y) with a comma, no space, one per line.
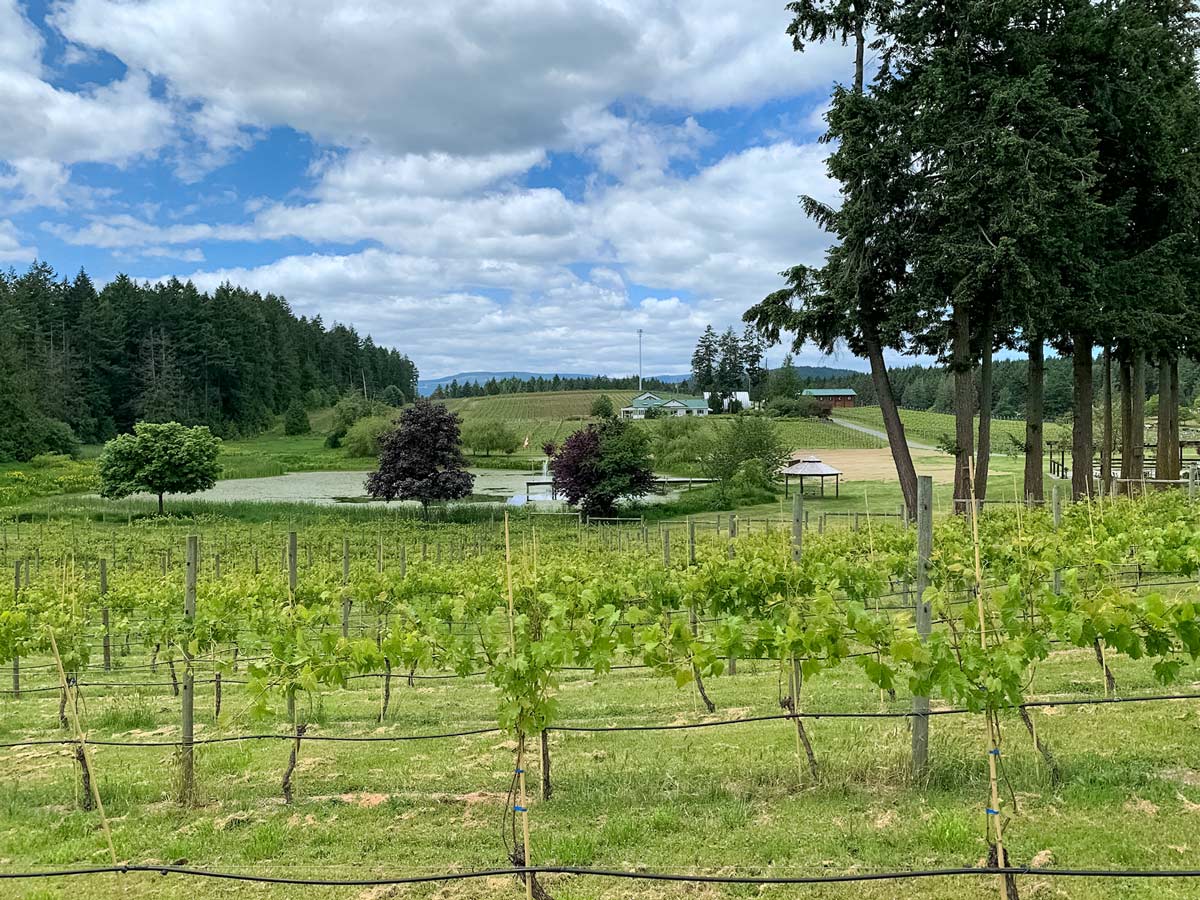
(931,427)
(725,799)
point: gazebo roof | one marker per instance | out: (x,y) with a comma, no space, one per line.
(810,465)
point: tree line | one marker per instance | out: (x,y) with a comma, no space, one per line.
(1016,174)
(931,388)
(540,384)
(81,365)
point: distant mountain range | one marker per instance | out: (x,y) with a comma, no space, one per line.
(426,386)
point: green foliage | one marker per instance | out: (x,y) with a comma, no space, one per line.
(80,363)
(746,448)
(600,465)
(354,406)
(602,407)
(795,408)
(486,436)
(366,435)
(675,441)
(160,459)
(295,420)
(393,396)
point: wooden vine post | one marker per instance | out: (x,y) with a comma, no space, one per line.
(104,615)
(797,528)
(291,566)
(920,705)
(187,791)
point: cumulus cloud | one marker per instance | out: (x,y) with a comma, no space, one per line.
(12,248)
(439,131)
(457,76)
(47,128)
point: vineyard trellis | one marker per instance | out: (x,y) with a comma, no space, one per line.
(596,600)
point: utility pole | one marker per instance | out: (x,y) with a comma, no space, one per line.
(639,360)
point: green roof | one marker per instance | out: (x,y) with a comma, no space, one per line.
(830,392)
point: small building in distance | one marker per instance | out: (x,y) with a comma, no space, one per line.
(833,398)
(666,404)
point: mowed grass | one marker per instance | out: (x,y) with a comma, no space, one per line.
(729,799)
(934,428)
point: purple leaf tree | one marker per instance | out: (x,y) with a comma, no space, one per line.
(422,458)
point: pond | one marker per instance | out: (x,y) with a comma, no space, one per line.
(339,487)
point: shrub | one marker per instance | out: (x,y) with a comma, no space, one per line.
(366,435)
(393,396)
(353,407)
(489,436)
(602,407)
(295,420)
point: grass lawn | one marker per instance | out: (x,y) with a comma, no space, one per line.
(725,799)
(932,428)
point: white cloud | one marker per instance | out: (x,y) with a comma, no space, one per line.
(455,77)
(47,128)
(12,250)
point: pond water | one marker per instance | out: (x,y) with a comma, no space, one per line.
(334,487)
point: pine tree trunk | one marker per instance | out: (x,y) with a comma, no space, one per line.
(961,364)
(901,456)
(1082,440)
(1137,423)
(1035,412)
(1106,446)
(1162,462)
(1176,449)
(1126,418)
(984,450)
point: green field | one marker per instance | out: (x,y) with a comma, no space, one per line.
(933,429)
(555,415)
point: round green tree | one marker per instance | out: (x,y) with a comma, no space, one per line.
(160,458)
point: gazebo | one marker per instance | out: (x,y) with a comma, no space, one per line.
(811,467)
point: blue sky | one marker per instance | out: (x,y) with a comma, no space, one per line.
(516,185)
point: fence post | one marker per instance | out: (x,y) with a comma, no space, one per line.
(920,731)
(733,525)
(666,548)
(691,541)
(104,614)
(797,527)
(187,693)
(1191,478)
(1056,504)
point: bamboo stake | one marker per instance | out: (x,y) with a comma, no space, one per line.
(993,725)
(512,647)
